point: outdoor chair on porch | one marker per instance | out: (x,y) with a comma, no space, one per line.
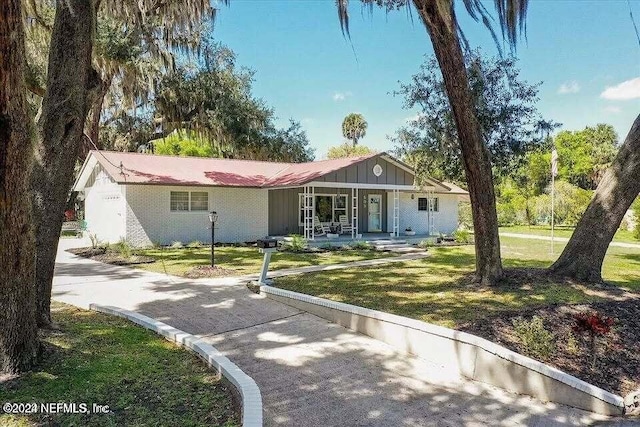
(345,226)
(320,229)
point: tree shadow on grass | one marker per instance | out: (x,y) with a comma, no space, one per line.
(96,358)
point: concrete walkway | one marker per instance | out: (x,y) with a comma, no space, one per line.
(311,372)
(564,239)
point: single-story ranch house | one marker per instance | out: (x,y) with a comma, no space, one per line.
(149,199)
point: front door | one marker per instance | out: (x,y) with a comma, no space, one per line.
(375,212)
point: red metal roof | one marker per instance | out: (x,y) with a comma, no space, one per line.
(136,168)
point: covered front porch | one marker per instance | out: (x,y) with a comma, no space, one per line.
(328,212)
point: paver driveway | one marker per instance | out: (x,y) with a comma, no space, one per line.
(311,372)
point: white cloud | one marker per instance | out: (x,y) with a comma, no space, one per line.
(569,87)
(341,96)
(612,109)
(629,89)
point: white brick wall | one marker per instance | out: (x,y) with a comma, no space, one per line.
(242,215)
(445,220)
(104,209)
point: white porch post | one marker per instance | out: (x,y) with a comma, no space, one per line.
(430,210)
(396,212)
(313,212)
(307,213)
(354,212)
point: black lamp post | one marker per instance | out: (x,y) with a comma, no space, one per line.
(213,217)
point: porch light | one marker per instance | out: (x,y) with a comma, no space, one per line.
(213,218)
(413,196)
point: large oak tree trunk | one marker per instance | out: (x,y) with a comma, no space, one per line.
(60,126)
(440,20)
(583,256)
(18,329)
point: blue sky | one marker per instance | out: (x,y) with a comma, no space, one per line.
(585,52)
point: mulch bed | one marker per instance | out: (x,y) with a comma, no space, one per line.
(203,271)
(100,254)
(617,366)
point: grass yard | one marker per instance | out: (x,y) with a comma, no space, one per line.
(245,260)
(145,380)
(437,289)
(563,231)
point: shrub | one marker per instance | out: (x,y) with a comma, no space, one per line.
(462,236)
(360,245)
(297,243)
(123,248)
(536,340)
(570,203)
(195,244)
(426,243)
(177,245)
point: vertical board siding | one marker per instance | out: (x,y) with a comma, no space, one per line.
(362,173)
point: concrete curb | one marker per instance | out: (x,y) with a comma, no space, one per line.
(471,356)
(246,386)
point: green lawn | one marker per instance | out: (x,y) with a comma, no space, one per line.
(144,379)
(562,231)
(437,289)
(245,260)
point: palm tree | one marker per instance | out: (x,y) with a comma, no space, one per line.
(354,127)
(440,20)
(583,256)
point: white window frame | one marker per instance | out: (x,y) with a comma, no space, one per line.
(189,201)
(434,200)
(206,209)
(335,218)
(171,201)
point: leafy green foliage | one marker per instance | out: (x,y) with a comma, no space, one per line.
(123,248)
(354,127)
(523,196)
(537,341)
(183,143)
(360,245)
(584,155)
(214,101)
(515,207)
(348,150)
(505,106)
(462,236)
(296,243)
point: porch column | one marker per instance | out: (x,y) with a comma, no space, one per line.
(430,211)
(396,212)
(354,213)
(307,208)
(313,212)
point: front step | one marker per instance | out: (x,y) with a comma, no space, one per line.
(396,246)
(391,245)
(386,242)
